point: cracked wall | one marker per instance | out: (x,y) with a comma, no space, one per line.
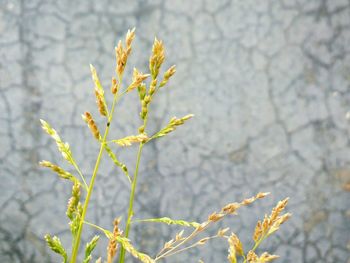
(268,82)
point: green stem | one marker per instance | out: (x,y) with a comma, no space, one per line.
(91,186)
(106,232)
(131,202)
(81,175)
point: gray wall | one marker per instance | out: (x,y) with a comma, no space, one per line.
(268,82)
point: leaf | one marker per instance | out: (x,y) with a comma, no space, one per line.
(170,221)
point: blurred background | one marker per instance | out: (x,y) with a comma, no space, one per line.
(268,82)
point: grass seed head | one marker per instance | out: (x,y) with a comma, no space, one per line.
(167,75)
(87,117)
(266,257)
(130,35)
(73,202)
(252,257)
(60,171)
(122,53)
(157,58)
(234,241)
(112,244)
(99,92)
(56,246)
(62,146)
(129,140)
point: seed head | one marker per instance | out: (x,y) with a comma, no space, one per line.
(157,58)
(252,257)
(73,203)
(87,117)
(113,245)
(236,243)
(60,171)
(129,140)
(167,75)
(122,53)
(63,147)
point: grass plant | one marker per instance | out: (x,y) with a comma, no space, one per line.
(147,86)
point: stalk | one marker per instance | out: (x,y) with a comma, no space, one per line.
(91,185)
(131,202)
(132,195)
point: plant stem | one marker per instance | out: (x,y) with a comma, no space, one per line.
(131,202)
(81,175)
(91,185)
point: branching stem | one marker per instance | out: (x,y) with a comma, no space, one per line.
(131,201)
(91,185)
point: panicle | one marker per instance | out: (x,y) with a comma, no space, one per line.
(157,58)
(271,223)
(167,75)
(266,257)
(99,93)
(130,35)
(60,171)
(257,232)
(252,257)
(236,243)
(278,209)
(62,146)
(122,53)
(231,252)
(129,140)
(73,202)
(174,122)
(87,117)
(112,244)
(56,246)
